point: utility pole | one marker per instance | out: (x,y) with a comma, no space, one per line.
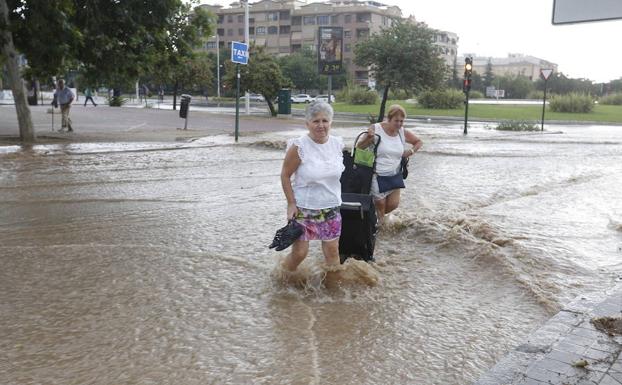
(246,41)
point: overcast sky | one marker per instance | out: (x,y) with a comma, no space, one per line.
(498,27)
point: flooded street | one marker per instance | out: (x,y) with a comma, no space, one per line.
(147,263)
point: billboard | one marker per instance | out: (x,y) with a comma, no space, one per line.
(578,11)
(330,50)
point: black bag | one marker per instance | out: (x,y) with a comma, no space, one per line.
(356,178)
(404,166)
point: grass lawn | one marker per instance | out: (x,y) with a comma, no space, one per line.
(601,113)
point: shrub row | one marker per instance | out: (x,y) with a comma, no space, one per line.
(572,103)
(441,99)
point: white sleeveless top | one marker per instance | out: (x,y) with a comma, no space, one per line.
(316,181)
(390,152)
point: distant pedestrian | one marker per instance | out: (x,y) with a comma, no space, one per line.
(161,94)
(143,93)
(89,96)
(64,97)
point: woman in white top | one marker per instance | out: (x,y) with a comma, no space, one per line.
(390,152)
(315,160)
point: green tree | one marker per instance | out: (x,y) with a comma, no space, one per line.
(110,42)
(515,86)
(301,68)
(261,75)
(489,76)
(402,56)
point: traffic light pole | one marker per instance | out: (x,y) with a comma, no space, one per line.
(466,111)
(466,88)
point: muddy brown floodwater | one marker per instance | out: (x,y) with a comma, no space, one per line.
(147,263)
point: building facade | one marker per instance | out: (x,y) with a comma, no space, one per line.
(514,65)
(286,26)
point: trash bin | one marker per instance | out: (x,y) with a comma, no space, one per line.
(184,106)
(285,102)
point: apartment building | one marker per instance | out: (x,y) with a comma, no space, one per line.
(287,26)
(512,65)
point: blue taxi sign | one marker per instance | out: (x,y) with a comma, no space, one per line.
(239,52)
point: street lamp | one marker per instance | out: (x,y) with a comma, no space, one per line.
(217,66)
(246,41)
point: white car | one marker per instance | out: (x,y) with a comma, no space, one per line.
(256,98)
(302,98)
(324,98)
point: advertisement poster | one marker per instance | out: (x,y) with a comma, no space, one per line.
(330,50)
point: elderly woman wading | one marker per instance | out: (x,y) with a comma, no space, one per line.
(391,150)
(315,160)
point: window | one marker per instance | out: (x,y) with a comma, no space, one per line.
(284,29)
(360,75)
(273,30)
(241,31)
(240,18)
(229,18)
(210,45)
(347,47)
(296,47)
(272,16)
(322,20)
(363,17)
(296,20)
(260,30)
(347,34)
(284,15)
(251,30)
(221,18)
(334,19)
(362,33)
(251,20)
(308,20)
(348,19)
(221,32)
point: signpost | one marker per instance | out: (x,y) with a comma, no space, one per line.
(544,74)
(239,55)
(330,53)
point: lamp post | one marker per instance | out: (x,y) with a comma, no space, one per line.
(246,41)
(217,66)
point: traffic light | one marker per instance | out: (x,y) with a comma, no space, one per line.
(468,67)
(468,70)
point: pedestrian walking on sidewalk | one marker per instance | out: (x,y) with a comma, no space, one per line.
(64,97)
(89,96)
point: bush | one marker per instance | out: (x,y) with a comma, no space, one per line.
(517,125)
(396,94)
(536,95)
(358,95)
(573,102)
(116,101)
(613,99)
(441,99)
(476,95)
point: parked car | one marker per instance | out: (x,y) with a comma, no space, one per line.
(302,98)
(256,98)
(324,98)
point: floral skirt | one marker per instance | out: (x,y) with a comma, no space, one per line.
(322,224)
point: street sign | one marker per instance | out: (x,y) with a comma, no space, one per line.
(239,52)
(545,73)
(579,11)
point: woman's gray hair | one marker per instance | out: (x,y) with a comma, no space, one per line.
(316,108)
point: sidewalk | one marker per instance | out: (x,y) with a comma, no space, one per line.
(580,345)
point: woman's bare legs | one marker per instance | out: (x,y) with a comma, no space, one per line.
(299,252)
(331,251)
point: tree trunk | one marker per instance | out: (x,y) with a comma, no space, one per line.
(24,119)
(271,107)
(175,94)
(383,103)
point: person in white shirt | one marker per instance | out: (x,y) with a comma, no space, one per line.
(64,97)
(391,150)
(310,179)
